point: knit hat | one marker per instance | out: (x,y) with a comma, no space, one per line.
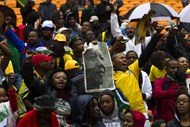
(38,58)
(47,24)
(138,118)
(60,38)
(71,64)
(45,102)
(157,123)
(73,40)
(94,18)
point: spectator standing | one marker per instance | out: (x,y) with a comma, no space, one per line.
(46,9)
(88,11)
(103,11)
(70,6)
(27,10)
(42,115)
(47,33)
(164,91)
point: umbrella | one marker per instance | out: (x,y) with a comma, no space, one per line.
(163,12)
(185,15)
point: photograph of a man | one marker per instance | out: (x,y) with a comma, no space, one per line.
(97,68)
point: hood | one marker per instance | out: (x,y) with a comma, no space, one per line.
(81,104)
(67,18)
(114,117)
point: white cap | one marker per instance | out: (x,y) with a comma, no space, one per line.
(93,18)
(48,24)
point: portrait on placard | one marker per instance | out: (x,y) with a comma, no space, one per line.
(98,68)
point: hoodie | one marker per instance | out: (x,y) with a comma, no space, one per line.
(113,120)
(79,112)
(74,31)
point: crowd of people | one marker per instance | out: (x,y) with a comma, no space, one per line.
(42,77)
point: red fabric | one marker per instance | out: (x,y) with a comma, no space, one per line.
(13,99)
(30,120)
(166,98)
(38,58)
(20,32)
(138,117)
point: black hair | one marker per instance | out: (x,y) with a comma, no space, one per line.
(168,62)
(157,56)
(130,52)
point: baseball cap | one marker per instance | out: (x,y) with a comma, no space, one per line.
(73,40)
(71,64)
(47,24)
(38,58)
(60,38)
(63,29)
(93,18)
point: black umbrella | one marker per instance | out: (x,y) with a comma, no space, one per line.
(163,12)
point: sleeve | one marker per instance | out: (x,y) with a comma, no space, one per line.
(13,99)
(13,39)
(115,29)
(73,94)
(146,86)
(148,50)
(159,93)
(31,82)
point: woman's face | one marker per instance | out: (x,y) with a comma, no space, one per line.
(183,104)
(128,120)
(183,64)
(107,104)
(59,80)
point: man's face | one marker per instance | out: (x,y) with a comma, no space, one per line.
(32,38)
(172,67)
(120,62)
(130,31)
(71,20)
(131,57)
(47,65)
(86,26)
(90,36)
(95,65)
(78,46)
(107,104)
(46,32)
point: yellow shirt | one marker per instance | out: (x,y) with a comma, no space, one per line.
(155,73)
(127,83)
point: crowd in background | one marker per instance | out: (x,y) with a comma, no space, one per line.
(42,72)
